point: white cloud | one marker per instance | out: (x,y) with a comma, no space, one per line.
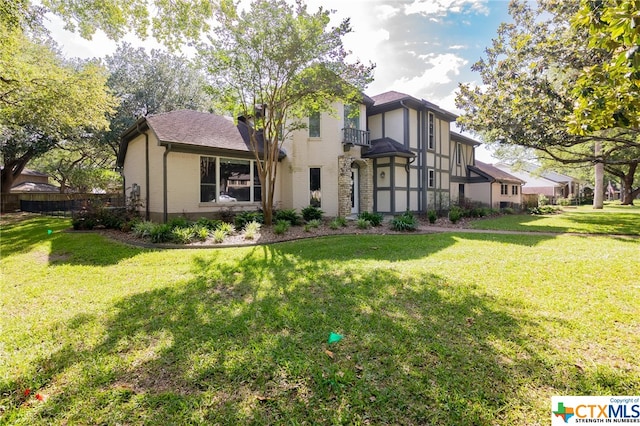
(457,46)
(442,7)
(438,71)
(385,11)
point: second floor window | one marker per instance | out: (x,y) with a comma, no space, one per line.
(514,190)
(314,125)
(352,117)
(504,189)
(459,153)
(431,178)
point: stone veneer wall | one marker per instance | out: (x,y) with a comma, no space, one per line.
(344,184)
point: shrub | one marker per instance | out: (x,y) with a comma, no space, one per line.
(219,235)
(342,221)
(542,200)
(404,222)
(289,215)
(210,224)
(432,216)
(161,233)
(507,210)
(281,227)
(564,201)
(335,224)
(251,229)
(363,223)
(200,232)
(242,219)
(178,222)
(225,227)
(312,224)
(104,217)
(182,235)
(544,210)
(455,213)
(311,213)
(143,229)
(374,218)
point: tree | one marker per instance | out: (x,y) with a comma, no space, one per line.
(608,93)
(272,64)
(527,97)
(173,22)
(150,83)
(43,99)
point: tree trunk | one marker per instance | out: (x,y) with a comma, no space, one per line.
(628,194)
(598,192)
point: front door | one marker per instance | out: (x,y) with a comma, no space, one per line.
(355,191)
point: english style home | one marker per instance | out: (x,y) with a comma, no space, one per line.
(397,153)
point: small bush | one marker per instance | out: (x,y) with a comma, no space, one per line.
(311,213)
(312,224)
(178,222)
(404,222)
(182,235)
(200,232)
(281,227)
(251,229)
(161,233)
(564,201)
(242,219)
(219,235)
(375,219)
(210,224)
(507,210)
(542,200)
(290,215)
(143,229)
(455,214)
(225,227)
(432,216)
(363,223)
(544,210)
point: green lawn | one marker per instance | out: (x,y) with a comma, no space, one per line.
(455,328)
(613,219)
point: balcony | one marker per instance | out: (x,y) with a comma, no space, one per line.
(355,137)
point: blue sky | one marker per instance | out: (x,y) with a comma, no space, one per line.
(421,47)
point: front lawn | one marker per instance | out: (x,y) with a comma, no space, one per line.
(456,328)
(613,219)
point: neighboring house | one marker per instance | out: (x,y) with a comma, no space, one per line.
(30,181)
(551,184)
(388,154)
(504,189)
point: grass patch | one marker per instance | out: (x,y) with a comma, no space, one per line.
(438,329)
(615,220)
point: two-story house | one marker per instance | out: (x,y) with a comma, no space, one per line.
(388,154)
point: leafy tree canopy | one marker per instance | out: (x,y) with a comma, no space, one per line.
(44,98)
(608,93)
(527,97)
(284,60)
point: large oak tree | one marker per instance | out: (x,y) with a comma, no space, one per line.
(527,97)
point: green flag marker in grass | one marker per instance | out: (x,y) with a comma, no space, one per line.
(49,232)
(334,337)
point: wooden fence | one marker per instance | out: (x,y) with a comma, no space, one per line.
(57,204)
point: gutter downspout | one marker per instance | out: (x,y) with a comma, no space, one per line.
(146,171)
(165,214)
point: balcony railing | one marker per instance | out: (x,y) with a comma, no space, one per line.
(355,137)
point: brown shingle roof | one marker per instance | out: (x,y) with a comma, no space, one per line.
(494,172)
(197,128)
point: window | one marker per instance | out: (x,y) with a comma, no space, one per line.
(504,189)
(208,179)
(235,180)
(228,180)
(459,153)
(315,194)
(431,178)
(514,190)
(314,125)
(352,117)
(430,137)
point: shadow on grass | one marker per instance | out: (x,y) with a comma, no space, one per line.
(244,342)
